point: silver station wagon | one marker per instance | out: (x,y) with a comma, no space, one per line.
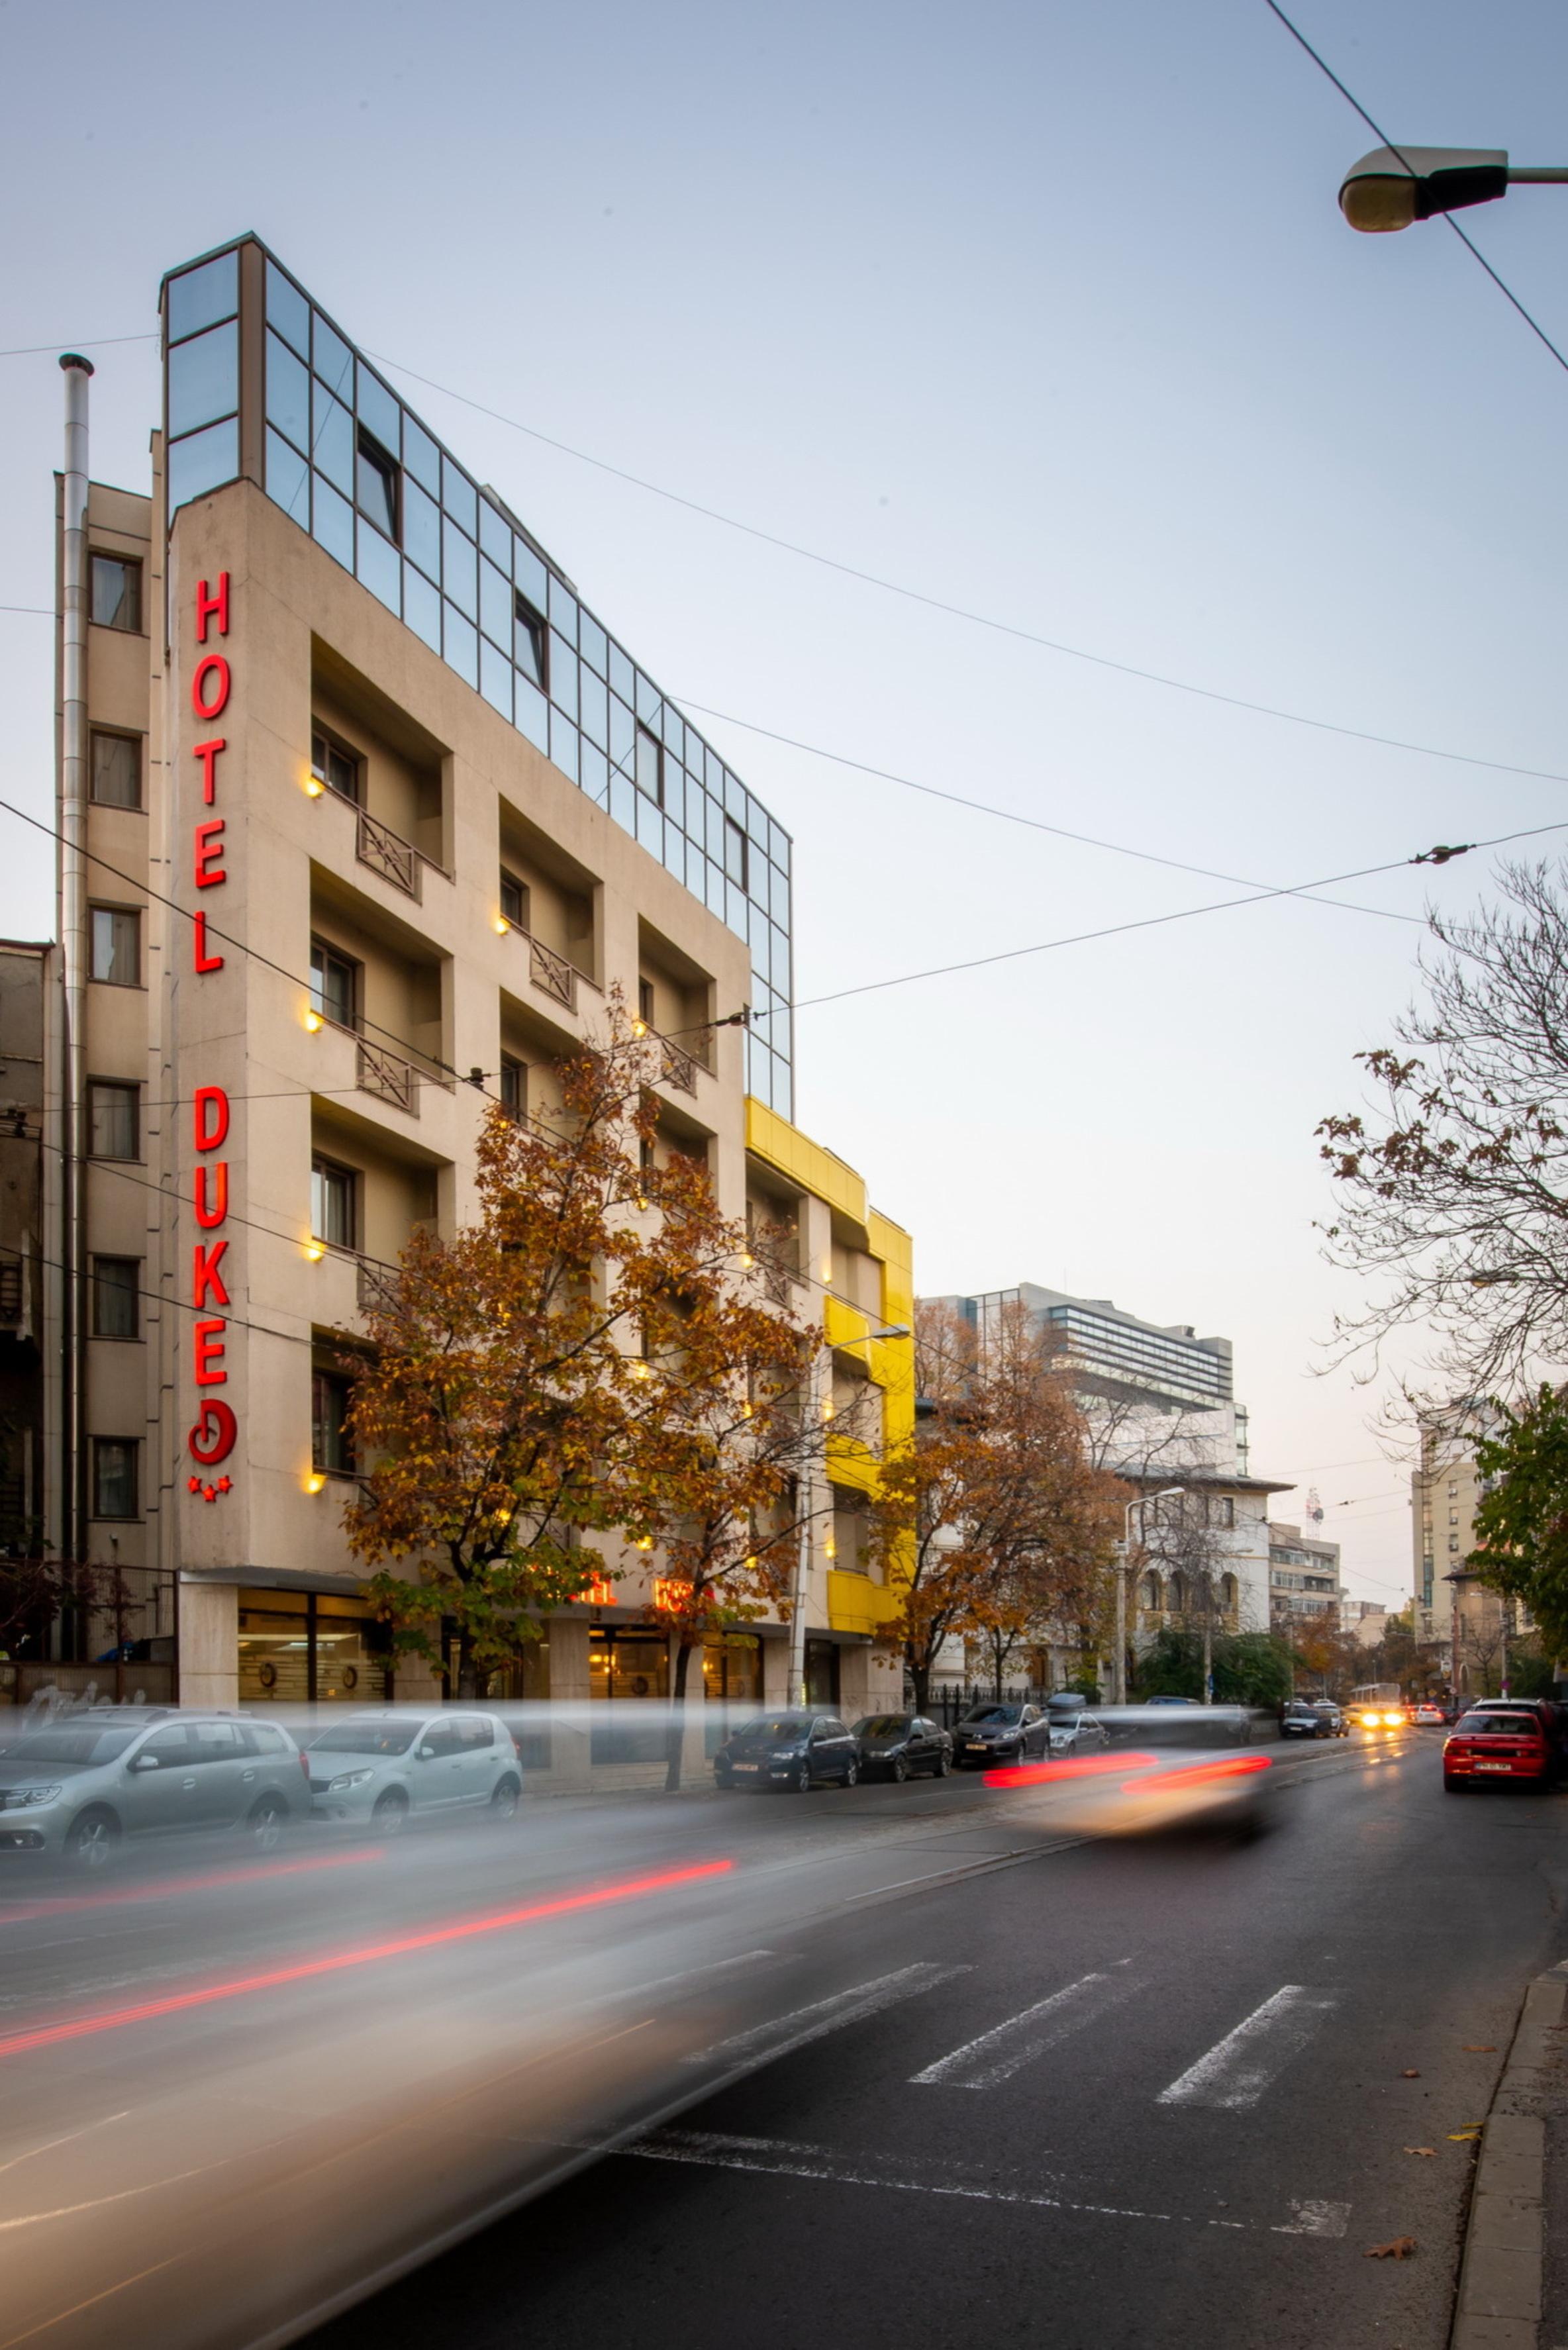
(383,1770)
(83,1786)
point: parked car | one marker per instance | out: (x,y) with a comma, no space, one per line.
(789,1750)
(1076,1733)
(1001,1733)
(385,1768)
(1299,1720)
(892,1745)
(83,1786)
(1337,1720)
(1170,1700)
(1499,1741)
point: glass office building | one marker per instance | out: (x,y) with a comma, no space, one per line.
(260,384)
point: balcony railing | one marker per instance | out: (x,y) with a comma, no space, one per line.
(375,1283)
(386,852)
(677,1067)
(389,1076)
(552,973)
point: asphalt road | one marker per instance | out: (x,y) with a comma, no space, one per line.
(1101,2094)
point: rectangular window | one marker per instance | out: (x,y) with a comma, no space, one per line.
(116,770)
(645,1002)
(331,1446)
(115,593)
(376,484)
(112,1120)
(334,1203)
(649,770)
(514,1088)
(114,1477)
(332,985)
(333,766)
(528,644)
(115,952)
(514,900)
(734,852)
(116,1301)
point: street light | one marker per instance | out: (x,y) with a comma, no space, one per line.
(807,1507)
(1119,1678)
(1395,186)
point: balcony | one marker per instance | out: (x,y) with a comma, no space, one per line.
(551,973)
(678,1068)
(375,1284)
(386,852)
(391,1076)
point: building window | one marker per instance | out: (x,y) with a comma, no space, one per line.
(117,770)
(331,1445)
(115,593)
(645,1002)
(334,1203)
(1151,1593)
(1221,1510)
(528,640)
(734,852)
(332,765)
(1227,1592)
(112,1120)
(332,985)
(514,900)
(649,771)
(376,484)
(514,1088)
(116,1299)
(115,952)
(114,1477)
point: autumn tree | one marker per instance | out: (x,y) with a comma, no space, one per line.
(1522,1519)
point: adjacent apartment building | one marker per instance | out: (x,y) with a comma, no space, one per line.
(1466,1624)
(364,810)
(1303,1578)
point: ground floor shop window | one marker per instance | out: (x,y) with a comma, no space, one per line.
(732,1682)
(523,1680)
(822,1672)
(630,1669)
(301,1648)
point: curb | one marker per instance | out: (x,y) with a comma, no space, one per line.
(1500,2276)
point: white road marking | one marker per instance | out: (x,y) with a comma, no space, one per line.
(783,2033)
(774,2158)
(1237,2070)
(996,2056)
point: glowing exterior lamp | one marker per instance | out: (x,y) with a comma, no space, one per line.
(313,1020)
(1392,188)
(314,1481)
(501,926)
(313,787)
(315,1249)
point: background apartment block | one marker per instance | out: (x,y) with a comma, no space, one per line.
(1304,1577)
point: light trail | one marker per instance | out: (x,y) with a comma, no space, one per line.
(1084,1766)
(166,1888)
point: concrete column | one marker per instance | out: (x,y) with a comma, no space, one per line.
(209,1644)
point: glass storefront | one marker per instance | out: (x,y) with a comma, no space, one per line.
(732,1682)
(297,1647)
(631,1665)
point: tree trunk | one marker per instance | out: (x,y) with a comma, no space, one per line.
(996,1660)
(920,1674)
(467,1674)
(675,1735)
(1208,1662)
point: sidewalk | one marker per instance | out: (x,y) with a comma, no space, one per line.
(1513,2282)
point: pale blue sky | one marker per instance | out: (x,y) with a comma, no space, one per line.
(1044,310)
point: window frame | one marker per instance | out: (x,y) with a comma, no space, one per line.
(132,1295)
(322,771)
(131,1447)
(331,1171)
(513,1082)
(323,1378)
(645,734)
(736,837)
(127,1086)
(136,745)
(515,907)
(537,628)
(369,451)
(133,567)
(116,914)
(330,954)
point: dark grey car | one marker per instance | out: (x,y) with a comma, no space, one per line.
(793,1750)
(893,1745)
(81,1786)
(1001,1733)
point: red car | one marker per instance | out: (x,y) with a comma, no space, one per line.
(1498,1743)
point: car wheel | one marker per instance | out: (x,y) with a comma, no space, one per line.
(944,1764)
(897,1770)
(851,1773)
(390,1815)
(92,1840)
(800,1783)
(268,1822)
(504,1800)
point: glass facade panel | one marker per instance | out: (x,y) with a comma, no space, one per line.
(563,675)
(495,676)
(421,607)
(289,479)
(381,568)
(459,497)
(332,358)
(533,715)
(204,378)
(378,410)
(203,462)
(287,311)
(332,522)
(200,297)
(564,744)
(332,440)
(287,392)
(420,455)
(495,612)
(622,676)
(563,610)
(421,529)
(593,643)
(459,569)
(460,641)
(495,537)
(533,579)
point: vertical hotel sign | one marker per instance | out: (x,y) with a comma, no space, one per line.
(215,1430)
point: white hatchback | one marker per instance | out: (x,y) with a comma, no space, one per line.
(382,1770)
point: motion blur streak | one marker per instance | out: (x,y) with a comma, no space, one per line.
(109,2020)
(1196,1775)
(1086,1766)
(169,1888)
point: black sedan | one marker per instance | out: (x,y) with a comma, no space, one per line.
(1298,1719)
(1001,1733)
(789,1750)
(892,1745)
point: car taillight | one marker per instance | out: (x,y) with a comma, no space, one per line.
(1459,1746)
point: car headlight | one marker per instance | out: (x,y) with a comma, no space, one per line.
(347,1779)
(784,1755)
(17,1799)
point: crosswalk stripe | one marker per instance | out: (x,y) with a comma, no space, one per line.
(1236,2071)
(783,2033)
(997,2055)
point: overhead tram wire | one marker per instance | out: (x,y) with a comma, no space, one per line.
(963,613)
(1536,328)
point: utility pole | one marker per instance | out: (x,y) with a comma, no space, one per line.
(1119,1662)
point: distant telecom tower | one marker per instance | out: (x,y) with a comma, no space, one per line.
(1313,1507)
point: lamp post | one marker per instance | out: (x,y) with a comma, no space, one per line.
(806,1502)
(1393,187)
(1119,1679)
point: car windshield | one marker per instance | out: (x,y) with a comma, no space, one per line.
(882,1725)
(76,1747)
(367,1738)
(1003,1713)
(775,1725)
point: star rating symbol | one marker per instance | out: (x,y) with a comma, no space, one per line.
(209,1493)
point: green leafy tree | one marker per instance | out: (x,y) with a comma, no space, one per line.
(1522,1520)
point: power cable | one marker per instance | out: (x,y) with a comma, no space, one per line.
(1474,251)
(92,343)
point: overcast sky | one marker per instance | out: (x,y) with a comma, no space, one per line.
(1044,311)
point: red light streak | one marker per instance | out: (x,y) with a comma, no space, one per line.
(1197,1774)
(166,1888)
(81,2027)
(1083,1766)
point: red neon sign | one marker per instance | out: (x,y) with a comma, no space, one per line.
(215,1431)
